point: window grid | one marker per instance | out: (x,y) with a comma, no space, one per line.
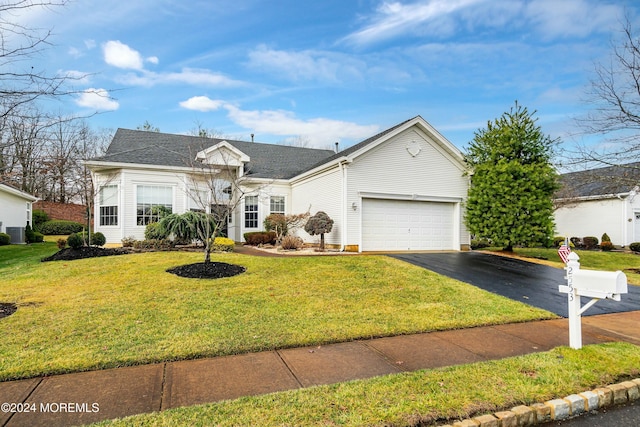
(277,205)
(151,199)
(109,205)
(108,215)
(251,212)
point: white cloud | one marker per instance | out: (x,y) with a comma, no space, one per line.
(396,18)
(90,44)
(319,132)
(577,18)
(97,99)
(153,59)
(76,76)
(201,103)
(120,55)
(307,65)
(194,77)
(548,19)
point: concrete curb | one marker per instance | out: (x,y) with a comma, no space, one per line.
(557,409)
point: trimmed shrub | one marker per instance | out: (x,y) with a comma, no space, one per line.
(98,239)
(606,246)
(39,217)
(29,234)
(260,238)
(590,242)
(5,239)
(577,242)
(635,246)
(154,231)
(75,241)
(605,238)
(559,240)
(62,243)
(128,242)
(156,244)
(223,244)
(38,237)
(292,242)
(276,223)
(61,227)
(479,244)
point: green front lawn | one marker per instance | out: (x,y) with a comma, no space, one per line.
(418,397)
(126,310)
(590,260)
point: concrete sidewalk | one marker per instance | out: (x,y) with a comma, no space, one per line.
(87,397)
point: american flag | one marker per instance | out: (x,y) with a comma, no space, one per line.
(564,252)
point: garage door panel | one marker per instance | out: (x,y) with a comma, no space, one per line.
(391,225)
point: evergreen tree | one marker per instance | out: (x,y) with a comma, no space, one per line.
(512,181)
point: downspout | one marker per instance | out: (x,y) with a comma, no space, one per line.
(622,197)
(343,237)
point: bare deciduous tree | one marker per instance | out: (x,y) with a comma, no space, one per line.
(614,93)
(20,83)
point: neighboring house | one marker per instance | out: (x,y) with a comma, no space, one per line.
(15,212)
(598,201)
(402,189)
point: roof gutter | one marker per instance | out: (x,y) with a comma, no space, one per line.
(596,197)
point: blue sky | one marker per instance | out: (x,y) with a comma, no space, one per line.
(292,71)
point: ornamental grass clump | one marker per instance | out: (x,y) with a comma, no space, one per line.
(292,243)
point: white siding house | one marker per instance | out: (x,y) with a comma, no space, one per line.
(598,201)
(15,212)
(400,190)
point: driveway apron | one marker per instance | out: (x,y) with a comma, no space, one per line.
(523,281)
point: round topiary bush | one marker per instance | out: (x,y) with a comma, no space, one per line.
(635,246)
(5,239)
(75,241)
(590,242)
(98,239)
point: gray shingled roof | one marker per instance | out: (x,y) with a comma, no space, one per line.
(601,181)
(153,148)
(270,161)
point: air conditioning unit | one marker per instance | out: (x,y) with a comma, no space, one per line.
(17,234)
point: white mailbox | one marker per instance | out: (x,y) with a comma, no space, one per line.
(600,284)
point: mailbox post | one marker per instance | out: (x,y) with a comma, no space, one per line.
(594,284)
(575,319)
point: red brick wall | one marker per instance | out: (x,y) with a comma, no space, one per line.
(66,211)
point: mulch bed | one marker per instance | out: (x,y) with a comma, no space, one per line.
(7,309)
(69,254)
(210,270)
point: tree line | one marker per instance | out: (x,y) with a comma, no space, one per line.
(44,155)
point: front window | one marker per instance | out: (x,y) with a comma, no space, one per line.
(109,205)
(277,205)
(198,200)
(251,212)
(153,201)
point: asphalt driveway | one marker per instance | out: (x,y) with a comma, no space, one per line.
(531,283)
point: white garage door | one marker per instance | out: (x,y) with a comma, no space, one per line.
(398,225)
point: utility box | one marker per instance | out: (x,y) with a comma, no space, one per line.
(600,284)
(17,234)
